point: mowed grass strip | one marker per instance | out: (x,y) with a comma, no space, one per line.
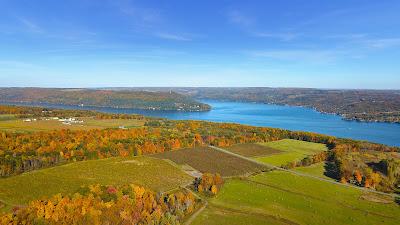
(253,149)
(153,173)
(205,159)
(292,150)
(279,197)
(317,169)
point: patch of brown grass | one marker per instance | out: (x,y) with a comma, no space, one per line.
(205,159)
(253,150)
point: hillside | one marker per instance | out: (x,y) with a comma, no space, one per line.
(102,98)
(271,175)
(68,178)
(282,198)
(360,105)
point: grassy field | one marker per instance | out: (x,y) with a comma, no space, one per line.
(282,198)
(206,159)
(292,150)
(153,173)
(253,149)
(317,170)
(18,125)
(4,117)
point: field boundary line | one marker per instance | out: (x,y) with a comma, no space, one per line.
(199,211)
(304,174)
(196,214)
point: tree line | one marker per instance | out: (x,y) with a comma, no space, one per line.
(365,167)
(37,112)
(99,204)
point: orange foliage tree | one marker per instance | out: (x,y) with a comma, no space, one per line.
(96,204)
(208,183)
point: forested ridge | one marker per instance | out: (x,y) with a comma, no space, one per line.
(103,98)
(38,112)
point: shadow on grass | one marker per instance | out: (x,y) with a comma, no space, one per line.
(397,200)
(331,170)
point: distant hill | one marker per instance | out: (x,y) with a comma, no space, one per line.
(355,104)
(361,105)
(103,98)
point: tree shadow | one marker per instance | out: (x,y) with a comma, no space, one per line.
(331,170)
(377,167)
(397,200)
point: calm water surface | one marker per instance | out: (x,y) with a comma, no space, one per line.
(286,117)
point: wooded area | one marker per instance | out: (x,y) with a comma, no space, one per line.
(99,204)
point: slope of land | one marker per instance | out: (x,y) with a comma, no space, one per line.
(152,173)
(253,150)
(206,159)
(291,150)
(317,170)
(282,198)
(103,98)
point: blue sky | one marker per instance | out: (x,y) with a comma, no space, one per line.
(285,43)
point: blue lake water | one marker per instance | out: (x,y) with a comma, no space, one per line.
(286,117)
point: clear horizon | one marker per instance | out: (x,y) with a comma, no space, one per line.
(102,43)
(104,87)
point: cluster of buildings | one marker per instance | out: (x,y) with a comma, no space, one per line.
(69,121)
(29,120)
(65,121)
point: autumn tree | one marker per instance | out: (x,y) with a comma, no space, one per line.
(208,183)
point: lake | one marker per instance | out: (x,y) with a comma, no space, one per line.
(286,117)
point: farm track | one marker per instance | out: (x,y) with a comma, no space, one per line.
(303,174)
(185,186)
(197,213)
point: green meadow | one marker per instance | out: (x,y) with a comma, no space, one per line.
(9,123)
(291,150)
(283,198)
(4,117)
(153,173)
(317,169)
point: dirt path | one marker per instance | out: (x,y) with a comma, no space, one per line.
(304,174)
(197,213)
